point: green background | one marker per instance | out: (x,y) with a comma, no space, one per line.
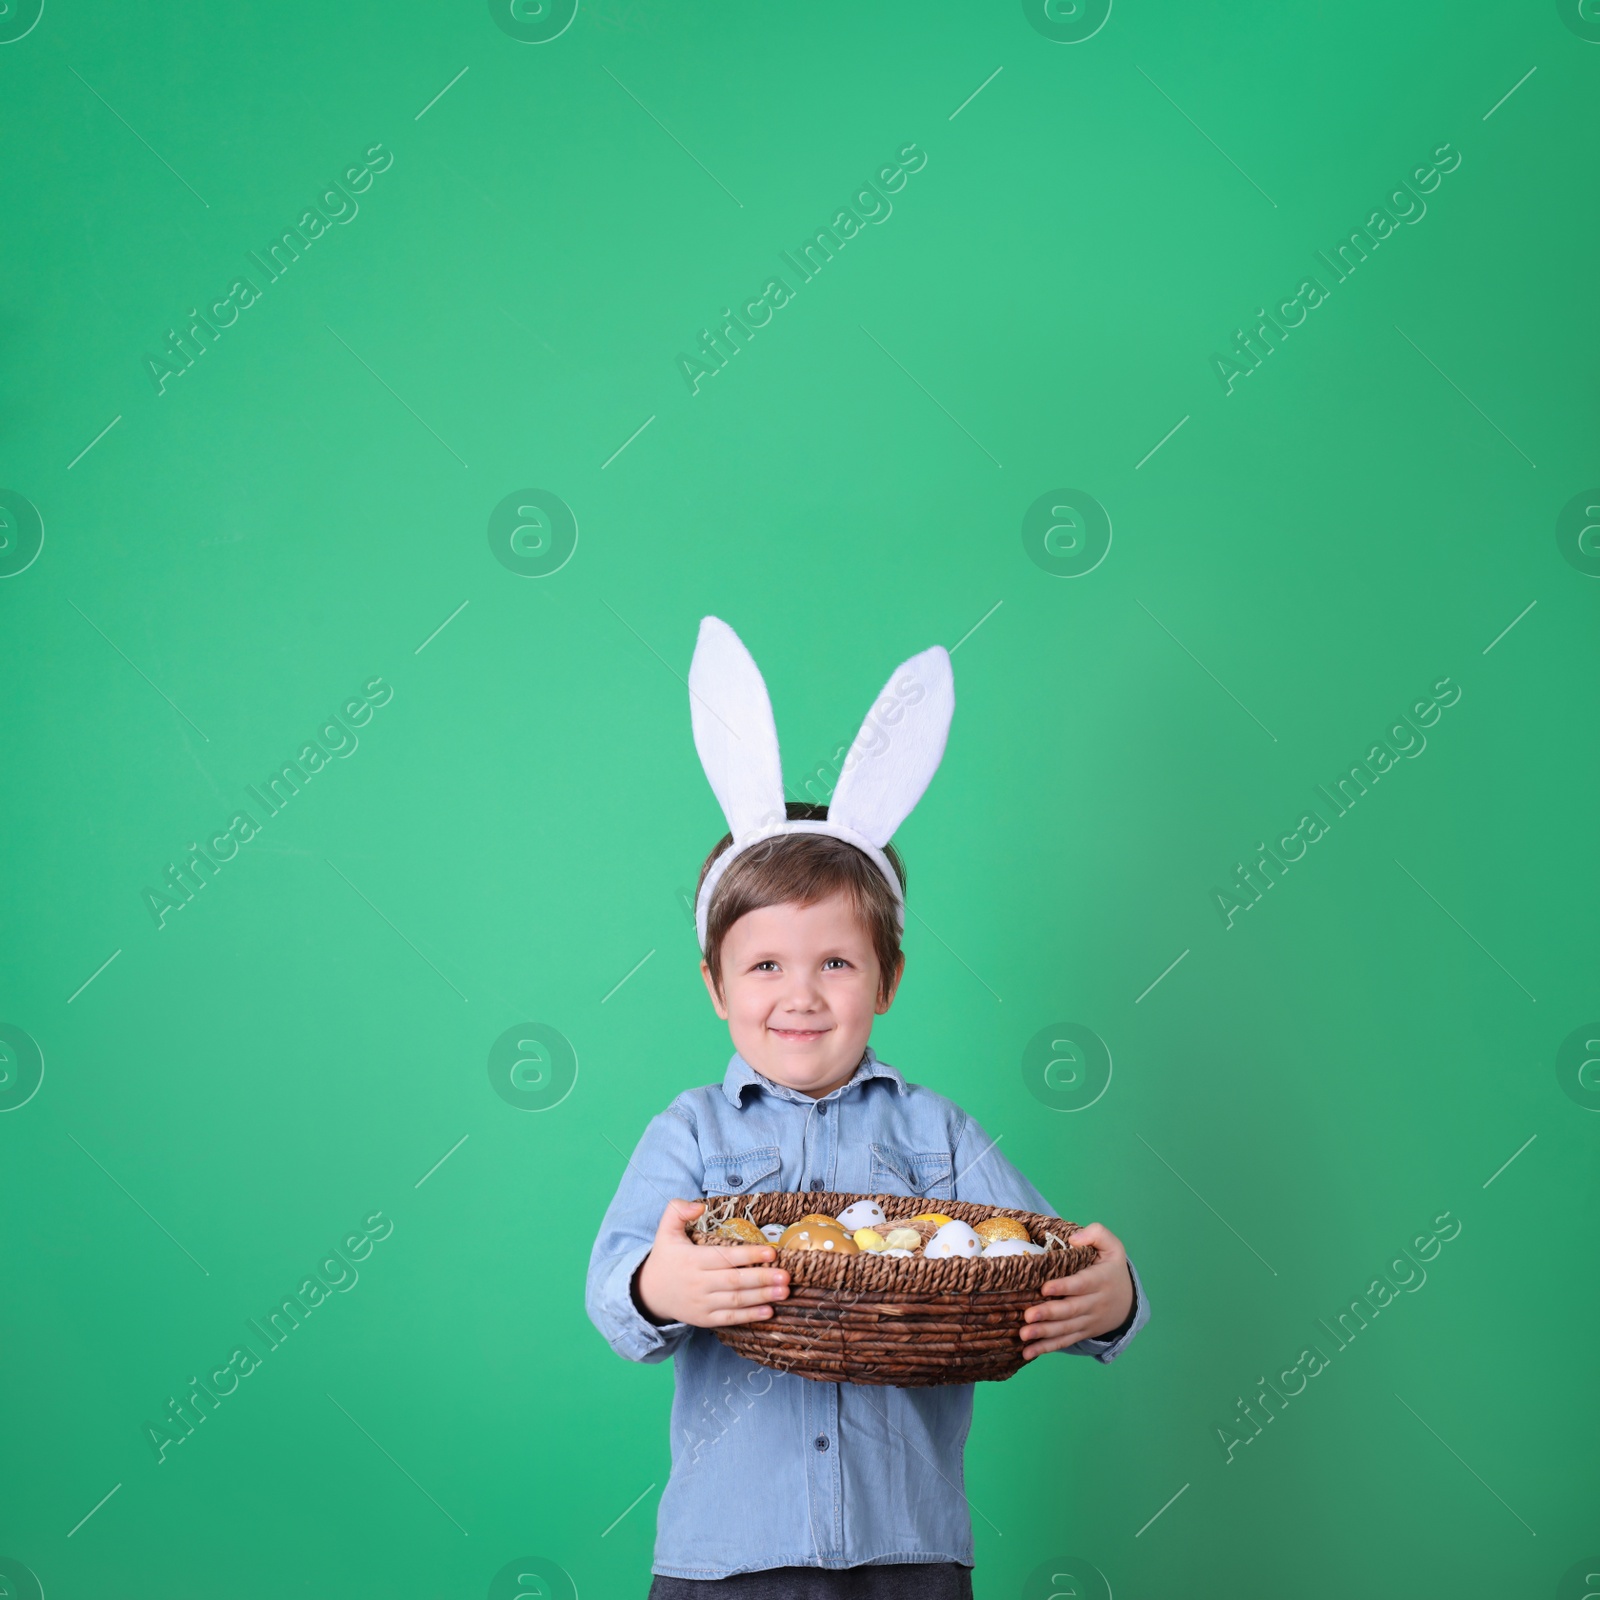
(303,509)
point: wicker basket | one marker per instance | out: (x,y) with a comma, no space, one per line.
(909,1323)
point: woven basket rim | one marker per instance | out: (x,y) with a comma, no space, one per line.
(901,1323)
(875,1278)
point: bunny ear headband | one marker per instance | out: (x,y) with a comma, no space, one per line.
(890,764)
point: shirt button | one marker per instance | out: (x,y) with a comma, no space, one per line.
(822,1441)
(816,1183)
(822,1109)
(734,1180)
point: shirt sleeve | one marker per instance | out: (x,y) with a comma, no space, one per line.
(983,1175)
(664,1166)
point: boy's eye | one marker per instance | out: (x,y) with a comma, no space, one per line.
(832,959)
(766,966)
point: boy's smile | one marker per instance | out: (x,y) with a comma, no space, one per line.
(800,991)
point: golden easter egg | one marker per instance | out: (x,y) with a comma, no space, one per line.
(992,1228)
(737,1230)
(822,1235)
(817,1216)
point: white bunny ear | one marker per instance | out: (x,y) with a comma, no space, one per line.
(898,749)
(733,729)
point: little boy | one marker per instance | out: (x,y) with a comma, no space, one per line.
(783,1487)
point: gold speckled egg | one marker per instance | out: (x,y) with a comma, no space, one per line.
(992,1228)
(737,1230)
(822,1235)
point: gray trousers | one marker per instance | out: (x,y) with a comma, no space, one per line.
(923,1580)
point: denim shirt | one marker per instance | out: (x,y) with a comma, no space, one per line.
(770,1469)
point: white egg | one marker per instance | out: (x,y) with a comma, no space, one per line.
(906,1254)
(862,1214)
(1009,1247)
(1031,1248)
(773,1231)
(954,1239)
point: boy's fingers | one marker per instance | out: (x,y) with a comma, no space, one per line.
(1059,1311)
(678,1214)
(1052,1311)
(724,1298)
(1078,1284)
(1077,1327)
(1048,1321)
(724,1319)
(737,1255)
(1044,1346)
(746,1278)
(1054,1316)
(1101,1238)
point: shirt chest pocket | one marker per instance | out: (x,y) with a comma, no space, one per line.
(927,1173)
(743,1172)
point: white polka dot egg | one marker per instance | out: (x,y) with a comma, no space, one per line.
(954,1239)
(862,1214)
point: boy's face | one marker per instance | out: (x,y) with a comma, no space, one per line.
(799,992)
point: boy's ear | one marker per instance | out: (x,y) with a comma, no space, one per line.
(711,989)
(894,986)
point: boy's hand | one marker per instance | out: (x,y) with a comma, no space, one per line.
(707,1286)
(1089,1303)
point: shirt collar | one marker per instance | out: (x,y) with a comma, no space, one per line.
(741,1076)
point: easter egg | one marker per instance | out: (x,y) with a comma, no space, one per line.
(822,1235)
(902,1241)
(1007,1247)
(937,1218)
(862,1214)
(737,1230)
(954,1239)
(903,1254)
(772,1232)
(817,1216)
(1000,1228)
(924,1227)
(869,1239)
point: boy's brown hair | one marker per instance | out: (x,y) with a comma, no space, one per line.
(801,869)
